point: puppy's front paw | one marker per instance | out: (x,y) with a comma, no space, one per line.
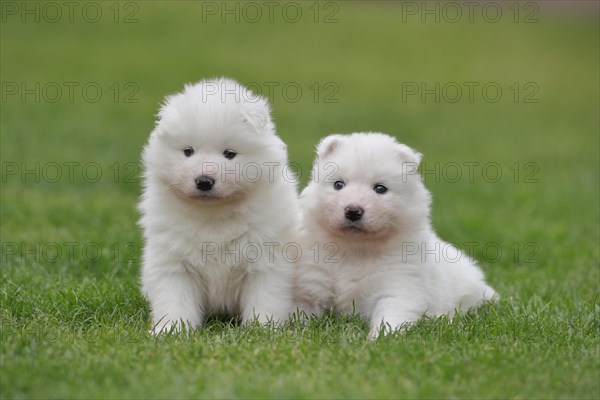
(373,334)
(385,328)
(170,327)
(380,330)
(162,327)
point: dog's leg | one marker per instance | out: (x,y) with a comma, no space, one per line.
(393,313)
(267,296)
(175,301)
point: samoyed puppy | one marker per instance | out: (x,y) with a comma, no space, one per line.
(216,209)
(367,213)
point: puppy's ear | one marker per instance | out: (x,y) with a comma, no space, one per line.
(156,132)
(328,145)
(169,104)
(409,155)
(258,115)
(164,110)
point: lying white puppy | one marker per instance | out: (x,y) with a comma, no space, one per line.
(216,209)
(367,204)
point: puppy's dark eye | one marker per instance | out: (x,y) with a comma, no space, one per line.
(229,154)
(188,151)
(338,185)
(380,189)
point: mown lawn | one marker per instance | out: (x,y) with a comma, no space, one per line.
(515,178)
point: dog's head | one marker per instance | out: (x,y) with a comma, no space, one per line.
(365,186)
(214,142)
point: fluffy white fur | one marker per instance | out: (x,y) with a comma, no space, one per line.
(216,251)
(389,266)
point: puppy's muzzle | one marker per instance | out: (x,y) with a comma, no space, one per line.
(353,213)
(205,183)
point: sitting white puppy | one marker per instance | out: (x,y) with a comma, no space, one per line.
(216,209)
(366,202)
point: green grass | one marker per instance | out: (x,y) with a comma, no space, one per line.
(74,324)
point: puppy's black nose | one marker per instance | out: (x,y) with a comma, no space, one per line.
(204,183)
(353,213)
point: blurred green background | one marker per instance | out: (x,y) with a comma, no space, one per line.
(81,85)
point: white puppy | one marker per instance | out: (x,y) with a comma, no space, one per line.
(216,209)
(367,212)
